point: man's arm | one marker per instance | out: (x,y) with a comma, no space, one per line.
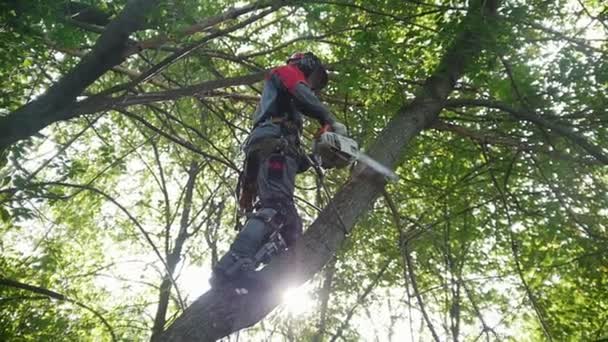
(305,99)
(309,104)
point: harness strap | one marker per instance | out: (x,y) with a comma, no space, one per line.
(267,146)
(246,189)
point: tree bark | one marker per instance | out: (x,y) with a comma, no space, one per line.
(51,106)
(220,312)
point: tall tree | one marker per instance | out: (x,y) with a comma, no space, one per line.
(215,315)
(112,215)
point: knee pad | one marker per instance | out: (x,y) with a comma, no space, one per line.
(267,215)
(255,232)
(276,244)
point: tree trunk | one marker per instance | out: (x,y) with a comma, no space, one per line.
(220,312)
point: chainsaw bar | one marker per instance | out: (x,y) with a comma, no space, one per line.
(376,166)
(339,151)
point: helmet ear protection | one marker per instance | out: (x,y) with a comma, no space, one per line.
(312,68)
(318,79)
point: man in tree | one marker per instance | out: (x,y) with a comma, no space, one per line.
(273,158)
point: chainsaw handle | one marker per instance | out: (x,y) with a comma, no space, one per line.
(325,128)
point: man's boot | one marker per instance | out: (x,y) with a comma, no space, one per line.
(238,265)
(229,268)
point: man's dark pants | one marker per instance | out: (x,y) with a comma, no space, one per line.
(276,210)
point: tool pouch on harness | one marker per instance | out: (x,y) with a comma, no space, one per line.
(265,231)
(247,183)
(246,188)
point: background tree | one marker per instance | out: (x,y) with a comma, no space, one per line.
(121,124)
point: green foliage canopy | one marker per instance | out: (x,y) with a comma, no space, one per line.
(501,206)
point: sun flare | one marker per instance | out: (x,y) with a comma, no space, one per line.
(297,300)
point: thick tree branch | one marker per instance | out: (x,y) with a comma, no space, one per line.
(99,103)
(51,106)
(132,74)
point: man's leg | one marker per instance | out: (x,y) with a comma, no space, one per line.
(249,240)
(292,230)
(275,184)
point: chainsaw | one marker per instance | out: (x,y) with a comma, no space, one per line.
(333,150)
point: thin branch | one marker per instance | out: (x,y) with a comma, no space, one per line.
(582,44)
(101,102)
(198,133)
(404,246)
(306,37)
(173,258)
(55,295)
(361,298)
(231,13)
(485,326)
(325,292)
(514,249)
(495,139)
(186,144)
(182,53)
(63,148)
(407,19)
(122,208)
(527,115)
(162,183)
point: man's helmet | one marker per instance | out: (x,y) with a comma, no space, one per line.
(295,57)
(312,68)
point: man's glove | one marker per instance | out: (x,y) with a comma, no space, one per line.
(339,128)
